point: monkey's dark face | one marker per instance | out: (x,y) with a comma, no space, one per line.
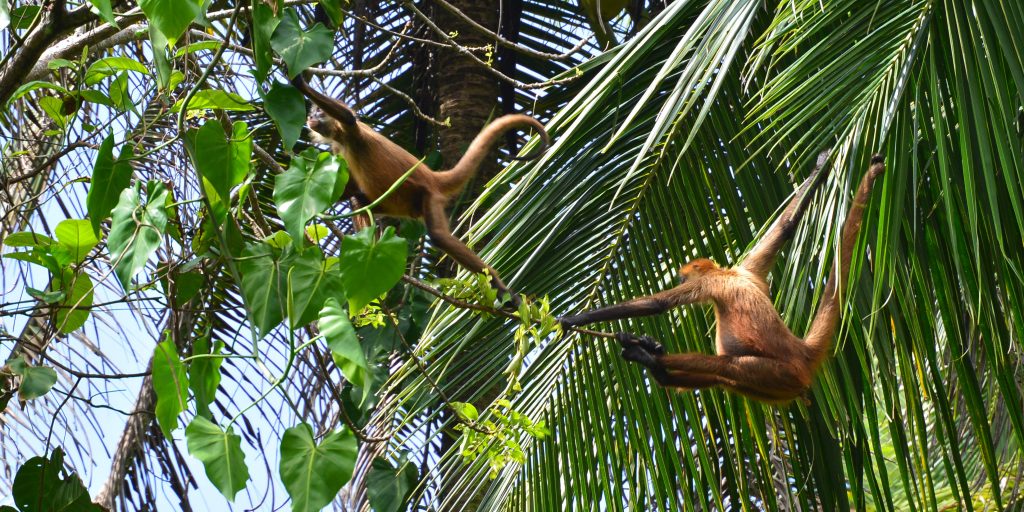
(695,269)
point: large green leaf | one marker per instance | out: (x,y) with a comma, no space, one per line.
(301,49)
(261,278)
(77,237)
(42,485)
(344,343)
(221,162)
(306,189)
(310,280)
(313,474)
(170,17)
(264,24)
(109,179)
(370,267)
(388,487)
(221,455)
(170,385)
(136,230)
(73,310)
(208,99)
(204,374)
(287,107)
(109,66)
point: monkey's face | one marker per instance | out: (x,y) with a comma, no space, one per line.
(695,269)
(325,129)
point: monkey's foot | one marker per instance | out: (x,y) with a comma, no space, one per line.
(647,343)
(567,322)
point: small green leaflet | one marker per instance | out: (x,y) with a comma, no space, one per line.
(170,17)
(42,485)
(287,107)
(36,381)
(341,338)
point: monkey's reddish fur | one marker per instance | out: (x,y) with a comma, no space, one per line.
(758,356)
(375,164)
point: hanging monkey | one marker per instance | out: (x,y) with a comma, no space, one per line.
(757,355)
(375,164)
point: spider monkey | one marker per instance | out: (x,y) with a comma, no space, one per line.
(375,163)
(758,356)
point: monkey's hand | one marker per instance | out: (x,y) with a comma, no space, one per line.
(645,343)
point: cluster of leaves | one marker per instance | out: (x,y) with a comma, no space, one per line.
(497,437)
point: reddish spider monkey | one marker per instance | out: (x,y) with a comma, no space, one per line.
(758,356)
(375,164)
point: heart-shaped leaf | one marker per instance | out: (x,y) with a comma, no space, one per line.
(36,381)
(73,309)
(388,487)
(310,282)
(204,374)
(135,232)
(371,267)
(305,189)
(221,455)
(170,17)
(77,237)
(261,276)
(301,49)
(40,487)
(313,474)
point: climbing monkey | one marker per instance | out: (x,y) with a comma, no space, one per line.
(375,164)
(757,355)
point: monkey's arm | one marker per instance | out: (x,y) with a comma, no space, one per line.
(660,302)
(331,106)
(761,258)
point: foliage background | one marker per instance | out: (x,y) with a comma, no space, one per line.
(680,143)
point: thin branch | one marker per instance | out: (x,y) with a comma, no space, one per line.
(505,42)
(464,51)
(461,304)
(52,159)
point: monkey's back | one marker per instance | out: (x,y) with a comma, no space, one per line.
(748,323)
(376,163)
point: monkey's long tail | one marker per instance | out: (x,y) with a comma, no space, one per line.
(819,337)
(455,178)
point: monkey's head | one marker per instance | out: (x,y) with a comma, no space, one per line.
(696,268)
(324,128)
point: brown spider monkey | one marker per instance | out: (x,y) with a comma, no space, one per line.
(376,163)
(758,356)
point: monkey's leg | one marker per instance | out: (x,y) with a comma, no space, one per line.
(671,378)
(441,234)
(761,378)
(761,258)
